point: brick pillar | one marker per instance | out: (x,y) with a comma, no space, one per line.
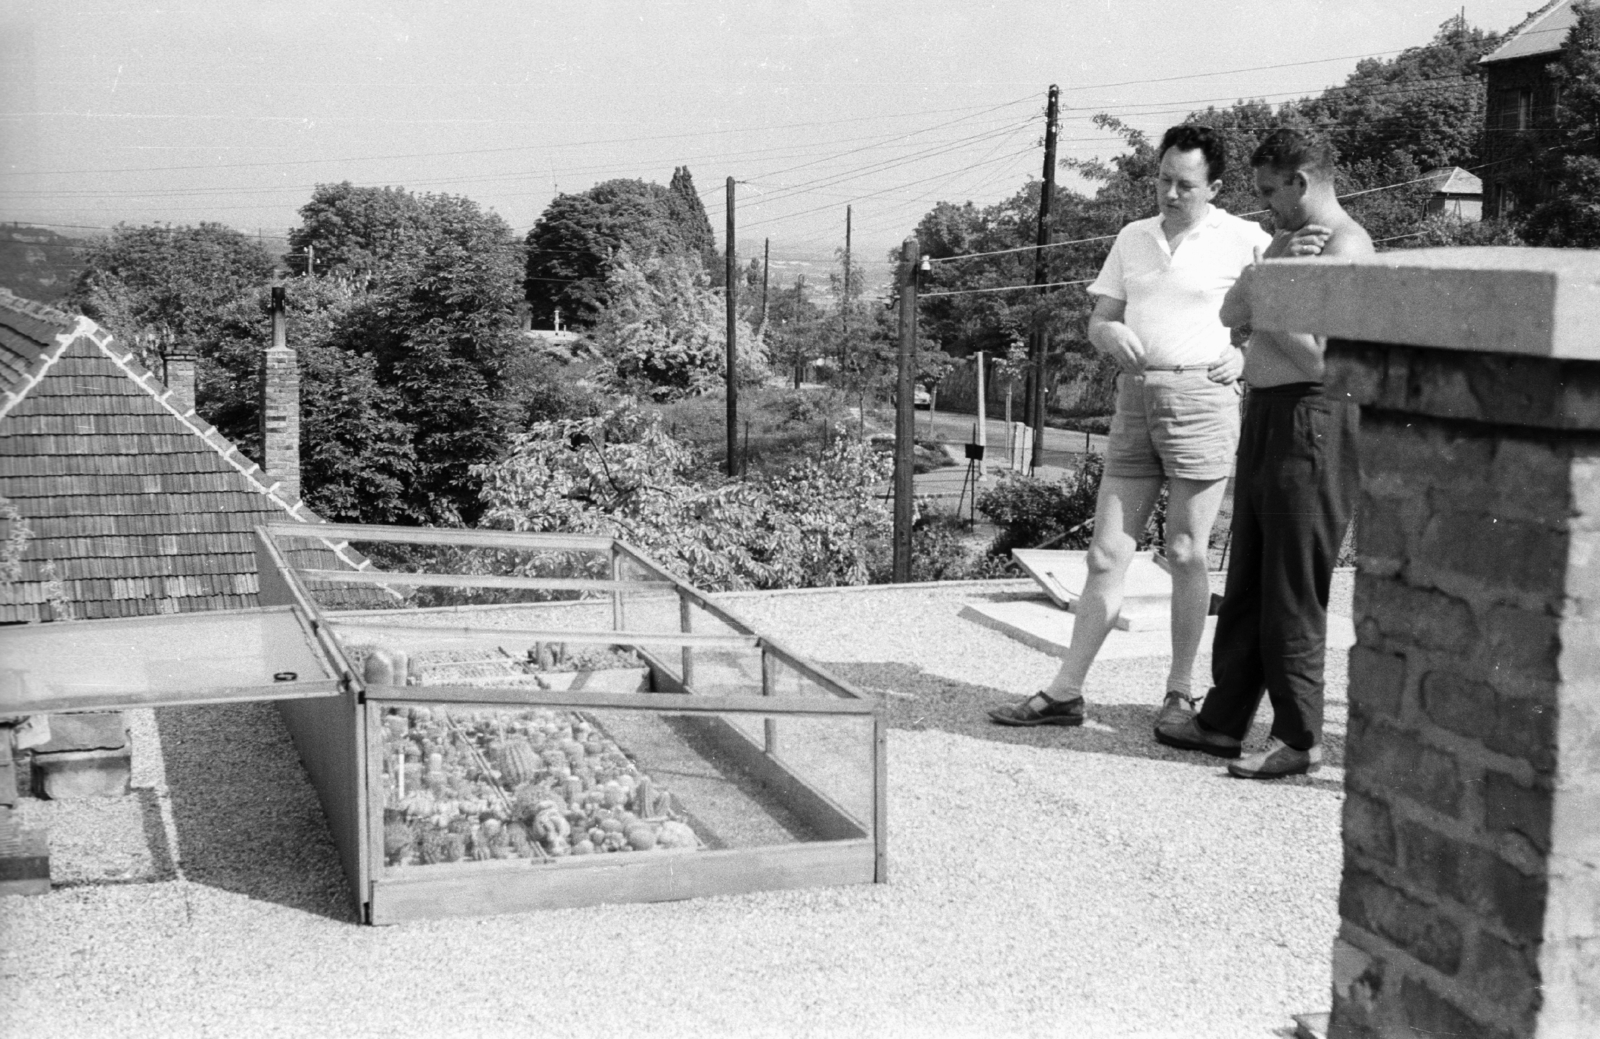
(280,406)
(1470,902)
(179,377)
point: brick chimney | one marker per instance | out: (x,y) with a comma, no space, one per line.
(280,406)
(179,376)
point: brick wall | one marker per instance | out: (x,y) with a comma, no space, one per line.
(1471,897)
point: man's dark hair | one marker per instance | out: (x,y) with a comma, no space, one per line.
(1285,151)
(1188,137)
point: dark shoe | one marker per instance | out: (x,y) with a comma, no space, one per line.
(1039,709)
(1188,735)
(1177,709)
(1278,760)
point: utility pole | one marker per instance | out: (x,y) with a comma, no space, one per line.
(311,261)
(766,269)
(904,431)
(1041,340)
(844,304)
(731,292)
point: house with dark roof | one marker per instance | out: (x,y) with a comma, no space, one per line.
(134,504)
(1520,116)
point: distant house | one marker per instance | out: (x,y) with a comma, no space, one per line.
(1520,115)
(135,504)
(1456,193)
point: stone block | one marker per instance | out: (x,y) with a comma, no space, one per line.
(1527,642)
(1355,370)
(1495,551)
(1419,929)
(24,858)
(1427,1013)
(1419,453)
(1416,616)
(1502,974)
(1383,759)
(1457,703)
(89,755)
(1511,807)
(1473,877)
(1368,827)
(1377,681)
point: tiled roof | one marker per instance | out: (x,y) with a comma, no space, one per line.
(1453,180)
(1542,32)
(139,509)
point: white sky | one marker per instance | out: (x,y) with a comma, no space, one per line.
(231,110)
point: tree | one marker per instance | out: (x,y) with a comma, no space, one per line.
(663,334)
(1423,108)
(1571,215)
(574,244)
(690,213)
(139,282)
(795,333)
(440,322)
(351,229)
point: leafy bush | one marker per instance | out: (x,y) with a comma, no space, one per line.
(1030,511)
(663,333)
(621,475)
(942,550)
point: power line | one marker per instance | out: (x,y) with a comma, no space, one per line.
(493,151)
(1004,288)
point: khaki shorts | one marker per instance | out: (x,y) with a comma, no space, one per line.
(1174,424)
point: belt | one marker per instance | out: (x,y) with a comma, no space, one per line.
(1177,367)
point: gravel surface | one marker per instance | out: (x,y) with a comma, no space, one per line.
(1069,882)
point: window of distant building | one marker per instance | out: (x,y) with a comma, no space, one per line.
(1524,109)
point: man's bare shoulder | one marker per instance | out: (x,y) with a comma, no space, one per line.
(1348,238)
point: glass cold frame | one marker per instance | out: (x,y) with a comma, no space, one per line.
(533,785)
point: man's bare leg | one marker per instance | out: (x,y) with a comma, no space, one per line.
(1120,516)
(1192,507)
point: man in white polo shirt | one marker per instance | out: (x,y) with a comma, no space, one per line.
(1177,418)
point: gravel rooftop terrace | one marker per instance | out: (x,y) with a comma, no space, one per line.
(1079,882)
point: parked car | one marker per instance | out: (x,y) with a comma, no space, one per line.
(920,397)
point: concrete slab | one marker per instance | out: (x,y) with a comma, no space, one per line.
(1146,591)
(1040,624)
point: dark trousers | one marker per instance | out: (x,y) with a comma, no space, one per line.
(1293,494)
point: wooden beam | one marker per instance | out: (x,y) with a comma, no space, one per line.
(123,701)
(429,580)
(689,591)
(672,703)
(438,892)
(820,675)
(530,542)
(459,633)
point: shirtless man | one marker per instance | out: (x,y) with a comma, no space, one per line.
(1294,491)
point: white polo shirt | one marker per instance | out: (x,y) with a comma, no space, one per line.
(1174,297)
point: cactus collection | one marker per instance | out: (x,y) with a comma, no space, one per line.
(534,784)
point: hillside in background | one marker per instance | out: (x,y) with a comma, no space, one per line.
(38,263)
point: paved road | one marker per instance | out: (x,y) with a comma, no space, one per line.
(1062,447)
